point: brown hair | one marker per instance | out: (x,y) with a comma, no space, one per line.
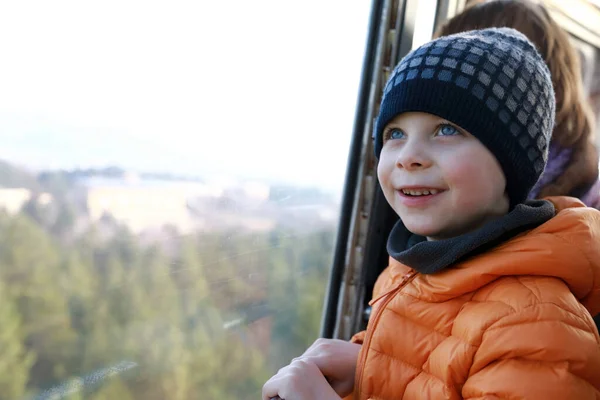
(574,125)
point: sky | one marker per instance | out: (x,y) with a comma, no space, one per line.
(264,89)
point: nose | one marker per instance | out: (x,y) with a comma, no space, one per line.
(413,157)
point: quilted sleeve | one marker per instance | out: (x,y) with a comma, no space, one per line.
(540,352)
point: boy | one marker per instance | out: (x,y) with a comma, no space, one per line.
(486,295)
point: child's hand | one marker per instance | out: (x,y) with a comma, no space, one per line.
(337,361)
(301,380)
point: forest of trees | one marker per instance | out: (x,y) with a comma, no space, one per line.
(70,308)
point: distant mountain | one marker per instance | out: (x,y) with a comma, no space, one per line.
(111,172)
(290,196)
(12,176)
(60,183)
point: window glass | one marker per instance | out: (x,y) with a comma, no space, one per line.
(170,182)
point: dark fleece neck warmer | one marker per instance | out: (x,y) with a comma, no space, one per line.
(428,257)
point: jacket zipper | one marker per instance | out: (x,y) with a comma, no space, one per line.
(389,295)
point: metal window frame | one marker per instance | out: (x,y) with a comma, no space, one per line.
(581,18)
(366,218)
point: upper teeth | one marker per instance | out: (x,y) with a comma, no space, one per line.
(419,192)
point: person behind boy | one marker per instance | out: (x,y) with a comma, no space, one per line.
(487,295)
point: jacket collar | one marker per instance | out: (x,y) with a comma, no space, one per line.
(429,257)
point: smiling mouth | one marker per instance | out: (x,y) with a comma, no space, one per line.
(420,192)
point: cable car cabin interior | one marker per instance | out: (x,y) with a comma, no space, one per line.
(396,27)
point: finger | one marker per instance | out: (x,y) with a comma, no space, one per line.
(272,387)
(317,346)
(326,365)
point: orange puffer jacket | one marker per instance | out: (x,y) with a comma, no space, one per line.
(511,323)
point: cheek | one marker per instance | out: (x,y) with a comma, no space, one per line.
(384,172)
(385,169)
(476,180)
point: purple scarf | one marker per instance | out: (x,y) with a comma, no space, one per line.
(558,158)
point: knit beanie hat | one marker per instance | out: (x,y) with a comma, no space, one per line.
(492,83)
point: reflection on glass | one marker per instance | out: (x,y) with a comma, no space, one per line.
(170,181)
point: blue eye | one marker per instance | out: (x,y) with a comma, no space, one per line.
(448,130)
(395,134)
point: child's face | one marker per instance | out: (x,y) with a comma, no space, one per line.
(441,181)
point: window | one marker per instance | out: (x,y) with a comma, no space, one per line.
(170,181)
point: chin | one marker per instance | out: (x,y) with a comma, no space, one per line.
(428,230)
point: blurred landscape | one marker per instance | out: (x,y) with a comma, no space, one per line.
(175,287)
(170,180)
